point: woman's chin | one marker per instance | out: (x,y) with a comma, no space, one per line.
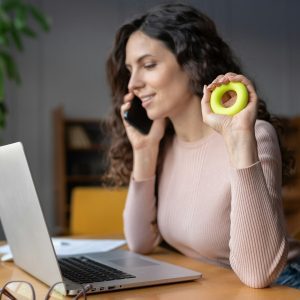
(154,115)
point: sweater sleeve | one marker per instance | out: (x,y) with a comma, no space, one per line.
(258,243)
(140,215)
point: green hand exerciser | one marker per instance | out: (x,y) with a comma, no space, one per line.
(240,103)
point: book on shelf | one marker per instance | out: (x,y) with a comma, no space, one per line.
(78,138)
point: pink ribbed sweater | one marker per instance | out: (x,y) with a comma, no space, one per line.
(211,211)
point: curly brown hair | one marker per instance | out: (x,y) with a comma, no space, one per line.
(192,37)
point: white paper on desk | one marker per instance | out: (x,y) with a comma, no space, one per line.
(73,246)
(64,246)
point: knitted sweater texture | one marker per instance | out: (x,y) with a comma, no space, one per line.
(211,211)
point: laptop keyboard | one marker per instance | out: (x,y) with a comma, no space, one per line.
(83,270)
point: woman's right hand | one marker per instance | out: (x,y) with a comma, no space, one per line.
(145,146)
(137,139)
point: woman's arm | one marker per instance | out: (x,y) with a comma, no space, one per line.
(140,212)
(140,216)
(258,245)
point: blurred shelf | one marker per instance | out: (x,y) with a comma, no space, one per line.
(80,145)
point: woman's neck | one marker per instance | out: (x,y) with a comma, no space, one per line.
(188,123)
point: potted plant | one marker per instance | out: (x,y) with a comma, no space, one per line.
(15,23)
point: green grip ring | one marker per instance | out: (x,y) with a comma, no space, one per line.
(240,103)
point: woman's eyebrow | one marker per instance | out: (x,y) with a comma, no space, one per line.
(140,59)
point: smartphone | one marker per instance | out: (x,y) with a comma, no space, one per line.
(136,116)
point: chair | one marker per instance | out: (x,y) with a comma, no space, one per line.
(97,211)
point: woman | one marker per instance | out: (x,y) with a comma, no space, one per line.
(209,185)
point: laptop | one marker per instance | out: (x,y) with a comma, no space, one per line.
(28,236)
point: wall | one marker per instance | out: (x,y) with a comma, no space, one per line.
(67,67)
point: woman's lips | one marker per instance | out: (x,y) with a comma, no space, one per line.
(146,100)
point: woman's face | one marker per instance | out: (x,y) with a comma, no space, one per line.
(156,77)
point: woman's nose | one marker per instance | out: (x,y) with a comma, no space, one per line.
(135,82)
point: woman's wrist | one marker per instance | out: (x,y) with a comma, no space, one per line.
(144,163)
(242,148)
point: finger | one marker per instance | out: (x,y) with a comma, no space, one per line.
(218,78)
(124,107)
(230,74)
(249,85)
(239,78)
(221,79)
(214,83)
(128,97)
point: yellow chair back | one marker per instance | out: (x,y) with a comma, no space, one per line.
(97,211)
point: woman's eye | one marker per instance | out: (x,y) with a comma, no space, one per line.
(150,66)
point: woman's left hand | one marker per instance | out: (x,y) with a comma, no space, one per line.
(241,122)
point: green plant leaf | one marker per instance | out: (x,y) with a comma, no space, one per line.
(5,26)
(2,104)
(20,20)
(14,15)
(10,67)
(4,17)
(9,5)
(17,39)
(4,41)
(29,32)
(41,19)
(2,114)
(2,80)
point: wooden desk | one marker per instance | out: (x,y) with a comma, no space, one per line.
(217,283)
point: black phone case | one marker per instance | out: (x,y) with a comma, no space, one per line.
(137,116)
